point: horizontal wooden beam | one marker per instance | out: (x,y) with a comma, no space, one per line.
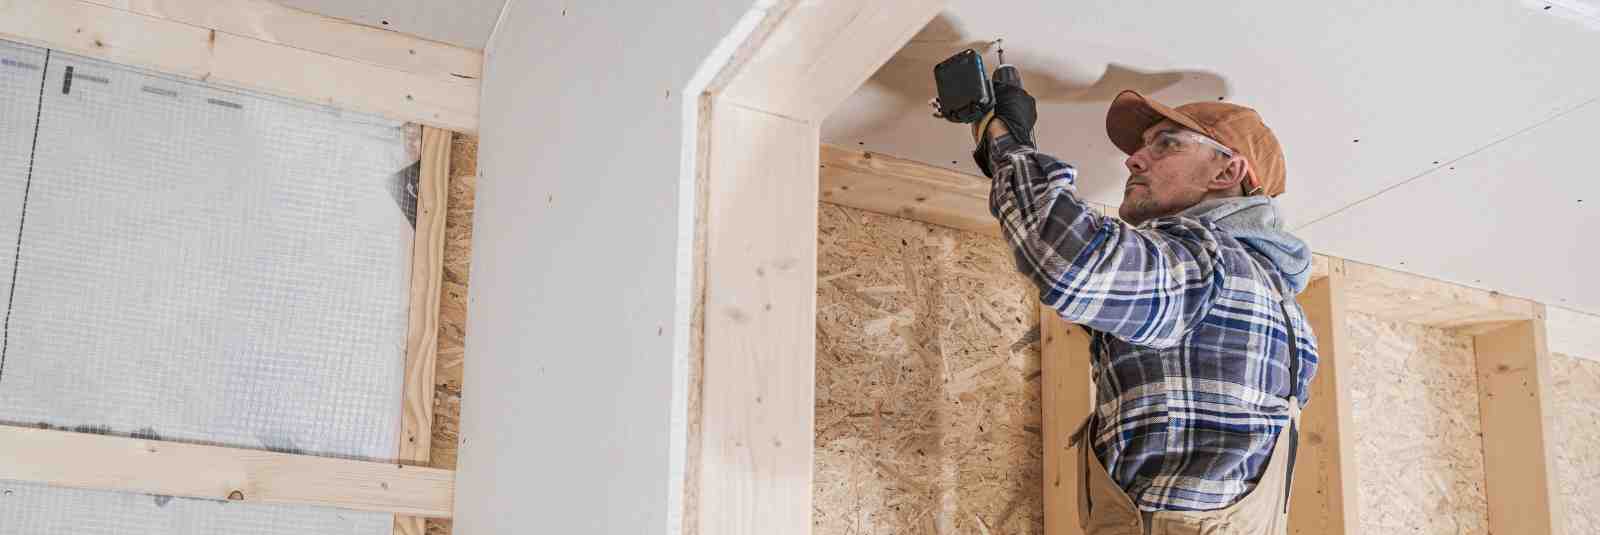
(914,190)
(283,52)
(272,22)
(99,462)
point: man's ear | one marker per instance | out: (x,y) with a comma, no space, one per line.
(1231,175)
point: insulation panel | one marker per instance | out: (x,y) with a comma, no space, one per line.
(206,265)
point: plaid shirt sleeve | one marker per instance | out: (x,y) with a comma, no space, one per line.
(1148,287)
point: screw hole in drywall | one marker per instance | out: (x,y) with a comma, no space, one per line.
(385,23)
(1357,140)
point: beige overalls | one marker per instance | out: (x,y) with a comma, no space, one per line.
(1104,509)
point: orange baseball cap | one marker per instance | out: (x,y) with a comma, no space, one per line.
(1236,127)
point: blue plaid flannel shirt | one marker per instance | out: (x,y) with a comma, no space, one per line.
(1188,340)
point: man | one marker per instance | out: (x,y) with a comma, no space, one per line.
(1200,353)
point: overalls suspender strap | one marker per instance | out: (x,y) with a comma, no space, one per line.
(1294,397)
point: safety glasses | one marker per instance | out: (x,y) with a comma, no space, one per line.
(1169,142)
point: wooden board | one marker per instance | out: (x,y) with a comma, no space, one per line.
(422,330)
(451,359)
(1067,401)
(760,325)
(203,53)
(272,22)
(1324,496)
(89,461)
(918,191)
(751,453)
(818,53)
(1518,435)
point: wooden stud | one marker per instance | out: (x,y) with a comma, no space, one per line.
(422,330)
(1323,500)
(751,421)
(760,326)
(1066,388)
(1519,478)
(275,23)
(818,53)
(100,462)
(917,191)
(204,53)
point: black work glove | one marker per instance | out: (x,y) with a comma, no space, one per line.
(1018,110)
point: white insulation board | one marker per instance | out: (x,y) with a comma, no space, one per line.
(199,264)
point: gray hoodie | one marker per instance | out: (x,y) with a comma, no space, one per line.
(1254,222)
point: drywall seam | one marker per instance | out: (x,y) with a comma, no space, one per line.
(494,32)
(1447,164)
(687,294)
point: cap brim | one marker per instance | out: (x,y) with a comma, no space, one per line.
(1131,114)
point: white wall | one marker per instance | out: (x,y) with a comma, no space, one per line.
(567,422)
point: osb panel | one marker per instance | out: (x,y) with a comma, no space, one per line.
(1414,398)
(1575,398)
(927,416)
(453,309)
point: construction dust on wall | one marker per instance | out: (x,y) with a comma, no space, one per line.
(927,410)
(1419,454)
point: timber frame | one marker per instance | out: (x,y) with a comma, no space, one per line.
(262,46)
(760,170)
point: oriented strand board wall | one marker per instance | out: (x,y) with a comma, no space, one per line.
(927,381)
(1418,453)
(1576,402)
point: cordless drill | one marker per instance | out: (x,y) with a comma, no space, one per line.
(966,91)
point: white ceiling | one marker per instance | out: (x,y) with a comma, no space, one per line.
(465,23)
(1476,120)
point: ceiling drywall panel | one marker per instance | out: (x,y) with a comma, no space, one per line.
(1374,103)
(466,23)
(1520,217)
(1363,95)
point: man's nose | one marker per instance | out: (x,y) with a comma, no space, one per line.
(1136,164)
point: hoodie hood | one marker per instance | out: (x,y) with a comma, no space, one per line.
(1254,222)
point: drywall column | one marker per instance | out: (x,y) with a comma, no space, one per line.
(1323,499)
(1513,376)
(1066,390)
(575,315)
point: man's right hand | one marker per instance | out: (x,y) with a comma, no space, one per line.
(1018,110)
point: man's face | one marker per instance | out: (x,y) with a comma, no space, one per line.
(1174,171)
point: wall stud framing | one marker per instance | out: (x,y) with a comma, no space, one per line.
(1513,386)
(750,462)
(265,48)
(422,331)
(1067,397)
(100,462)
